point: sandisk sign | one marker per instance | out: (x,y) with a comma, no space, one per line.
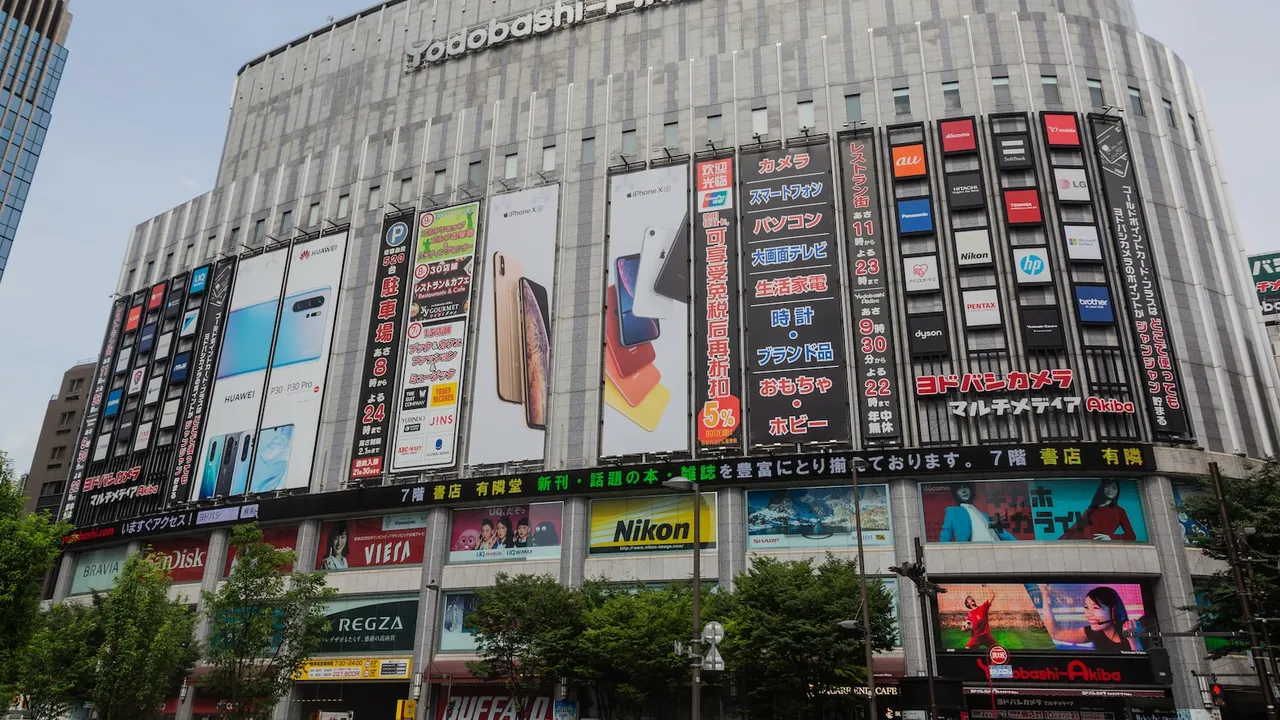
(1061,130)
(958,136)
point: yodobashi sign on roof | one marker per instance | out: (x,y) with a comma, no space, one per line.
(499,32)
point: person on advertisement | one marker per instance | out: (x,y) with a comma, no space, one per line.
(1107,629)
(965,523)
(1104,519)
(335,556)
(487,538)
(522,533)
(978,621)
(502,531)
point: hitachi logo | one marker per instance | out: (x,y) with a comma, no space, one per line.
(648,531)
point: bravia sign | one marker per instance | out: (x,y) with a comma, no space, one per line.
(964,190)
(927,335)
(958,136)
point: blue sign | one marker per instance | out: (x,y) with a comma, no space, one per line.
(915,216)
(1093,304)
(199,279)
(113,403)
(180,364)
(147,338)
(397,234)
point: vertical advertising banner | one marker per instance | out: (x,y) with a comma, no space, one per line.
(877,383)
(718,374)
(186,469)
(512,384)
(646,363)
(97,400)
(436,338)
(1123,205)
(382,343)
(797,387)
(285,444)
(227,450)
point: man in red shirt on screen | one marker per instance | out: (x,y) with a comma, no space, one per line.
(978,622)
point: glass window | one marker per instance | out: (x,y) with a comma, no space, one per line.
(406,190)
(1168,112)
(186,255)
(804,114)
(628,142)
(313,215)
(509,166)
(671,134)
(853,108)
(588,150)
(168,265)
(1001,87)
(951,95)
(235,238)
(760,121)
(475,173)
(1095,93)
(1049,83)
(1195,129)
(64,419)
(211,247)
(438,183)
(715,128)
(549,159)
(344,205)
(1135,102)
(902,101)
(286,221)
(58,453)
(375,196)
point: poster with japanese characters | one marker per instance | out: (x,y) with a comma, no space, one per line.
(797,390)
(1106,510)
(436,338)
(718,339)
(382,348)
(876,384)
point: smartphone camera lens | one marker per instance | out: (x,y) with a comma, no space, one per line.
(502,266)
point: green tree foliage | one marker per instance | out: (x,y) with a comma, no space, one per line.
(56,669)
(148,643)
(527,629)
(28,549)
(264,623)
(1252,502)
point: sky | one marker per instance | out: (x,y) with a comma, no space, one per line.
(141,114)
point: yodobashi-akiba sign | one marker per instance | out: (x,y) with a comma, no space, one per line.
(500,32)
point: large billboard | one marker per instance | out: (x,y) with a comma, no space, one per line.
(97,570)
(646,385)
(374,542)
(182,557)
(650,524)
(1122,202)
(285,443)
(817,517)
(1107,510)
(718,340)
(511,387)
(509,532)
(373,623)
(236,399)
(436,338)
(1266,281)
(455,633)
(1072,617)
(382,349)
(97,401)
(797,390)
(875,381)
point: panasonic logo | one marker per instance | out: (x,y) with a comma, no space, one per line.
(912,216)
(649,191)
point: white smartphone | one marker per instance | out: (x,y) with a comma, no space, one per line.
(648,302)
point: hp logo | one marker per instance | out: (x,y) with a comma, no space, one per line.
(397,234)
(1032,265)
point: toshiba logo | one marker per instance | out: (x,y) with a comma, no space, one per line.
(1022,206)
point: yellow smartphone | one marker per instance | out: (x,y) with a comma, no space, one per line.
(648,413)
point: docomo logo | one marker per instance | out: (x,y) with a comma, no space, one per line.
(958,136)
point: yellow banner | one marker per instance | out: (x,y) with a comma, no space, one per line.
(651,523)
(356,669)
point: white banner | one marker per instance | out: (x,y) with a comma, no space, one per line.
(1072,184)
(973,247)
(920,273)
(1082,242)
(981,308)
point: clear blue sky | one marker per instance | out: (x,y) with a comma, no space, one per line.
(141,114)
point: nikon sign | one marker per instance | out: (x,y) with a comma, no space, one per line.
(651,524)
(499,32)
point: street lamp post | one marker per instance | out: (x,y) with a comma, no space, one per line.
(866,606)
(928,591)
(695,699)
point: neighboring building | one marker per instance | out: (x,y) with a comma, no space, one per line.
(984,246)
(55,447)
(32,56)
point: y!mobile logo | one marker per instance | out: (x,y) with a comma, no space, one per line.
(397,234)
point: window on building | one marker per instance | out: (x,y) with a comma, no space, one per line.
(715,128)
(286,222)
(375,196)
(1135,102)
(588,150)
(804,115)
(57,453)
(128,284)
(475,173)
(1195,129)
(235,239)
(151,265)
(406,190)
(1095,93)
(439,182)
(52,488)
(671,134)
(313,215)
(853,108)
(186,254)
(211,247)
(64,419)
(1049,84)
(259,231)
(549,159)
(1168,112)
(760,121)
(902,101)
(168,265)
(951,95)
(344,206)
(628,142)
(1000,85)
(76,385)
(509,166)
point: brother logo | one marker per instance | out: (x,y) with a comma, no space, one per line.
(526,211)
(649,191)
(1094,303)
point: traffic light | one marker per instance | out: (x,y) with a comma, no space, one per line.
(1219,700)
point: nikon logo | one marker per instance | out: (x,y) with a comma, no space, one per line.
(649,191)
(526,211)
(975,256)
(640,531)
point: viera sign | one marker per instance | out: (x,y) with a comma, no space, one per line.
(499,32)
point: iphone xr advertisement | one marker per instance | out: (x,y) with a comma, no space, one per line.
(646,356)
(227,449)
(511,387)
(286,440)
(436,338)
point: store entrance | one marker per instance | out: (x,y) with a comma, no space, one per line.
(365,700)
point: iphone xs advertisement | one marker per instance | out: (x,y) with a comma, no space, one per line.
(646,362)
(511,389)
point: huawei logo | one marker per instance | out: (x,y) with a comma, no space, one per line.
(304,254)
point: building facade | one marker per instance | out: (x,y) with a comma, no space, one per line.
(32,55)
(479,273)
(55,447)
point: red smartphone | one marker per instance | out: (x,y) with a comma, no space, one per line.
(628,360)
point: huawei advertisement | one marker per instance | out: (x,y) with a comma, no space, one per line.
(646,347)
(513,350)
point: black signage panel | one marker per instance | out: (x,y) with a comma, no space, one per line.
(927,335)
(1042,328)
(876,384)
(965,191)
(797,389)
(716,289)
(382,343)
(370,624)
(1013,151)
(1098,671)
(1122,202)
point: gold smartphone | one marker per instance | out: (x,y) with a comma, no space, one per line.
(648,413)
(508,325)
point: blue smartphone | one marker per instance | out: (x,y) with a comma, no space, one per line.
(209,478)
(240,469)
(303,326)
(248,340)
(632,330)
(272,462)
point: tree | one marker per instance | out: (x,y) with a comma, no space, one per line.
(1252,502)
(29,545)
(148,643)
(782,642)
(264,623)
(526,629)
(57,667)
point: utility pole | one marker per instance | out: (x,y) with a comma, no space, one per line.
(928,592)
(866,605)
